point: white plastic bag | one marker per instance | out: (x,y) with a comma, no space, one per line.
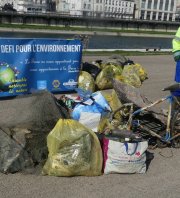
(124,157)
(96,103)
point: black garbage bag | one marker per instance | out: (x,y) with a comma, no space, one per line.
(119,60)
(128,62)
(91,69)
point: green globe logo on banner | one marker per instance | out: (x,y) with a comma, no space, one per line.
(7,76)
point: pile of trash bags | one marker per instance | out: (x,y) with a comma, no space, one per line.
(71,135)
(98,74)
(84,145)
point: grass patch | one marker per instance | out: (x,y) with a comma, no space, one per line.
(124,53)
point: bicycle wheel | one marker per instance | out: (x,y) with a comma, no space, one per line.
(175,128)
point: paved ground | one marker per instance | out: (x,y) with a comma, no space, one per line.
(162,179)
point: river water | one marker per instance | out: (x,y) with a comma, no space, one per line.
(103,41)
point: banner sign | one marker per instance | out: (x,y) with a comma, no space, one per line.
(27,65)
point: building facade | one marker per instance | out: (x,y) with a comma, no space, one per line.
(107,8)
(29,5)
(161,10)
(119,8)
(32,6)
(71,7)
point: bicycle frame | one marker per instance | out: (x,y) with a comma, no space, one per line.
(170,98)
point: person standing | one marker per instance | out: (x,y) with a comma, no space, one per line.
(176,55)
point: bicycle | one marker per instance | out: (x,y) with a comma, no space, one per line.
(140,120)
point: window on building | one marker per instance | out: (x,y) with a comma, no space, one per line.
(155,6)
(73,5)
(170,17)
(165,16)
(166,4)
(149,4)
(96,7)
(97,1)
(142,14)
(148,15)
(126,10)
(159,15)
(154,16)
(143,4)
(172,5)
(161,5)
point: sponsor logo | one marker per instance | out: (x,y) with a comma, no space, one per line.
(70,83)
(41,84)
(56,83)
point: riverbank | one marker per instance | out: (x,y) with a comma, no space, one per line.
(101,42)
(83,31)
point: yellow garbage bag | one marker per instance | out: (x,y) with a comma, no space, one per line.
(113,101)
(115,104)
(140,71)
(73,150)
(130,76)
(103,80)
(86,81)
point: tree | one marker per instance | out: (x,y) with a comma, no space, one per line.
(8,7)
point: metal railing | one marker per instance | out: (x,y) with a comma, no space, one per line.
(96,15)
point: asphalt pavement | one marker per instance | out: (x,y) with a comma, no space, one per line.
(162,179)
